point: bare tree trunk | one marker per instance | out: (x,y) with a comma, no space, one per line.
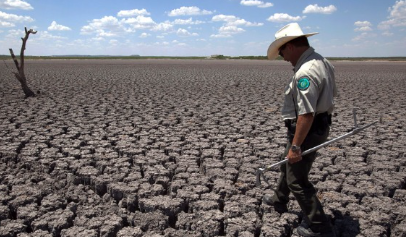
(20,75)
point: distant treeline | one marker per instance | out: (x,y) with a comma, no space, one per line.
(367,58)
(101,57)
(221,57)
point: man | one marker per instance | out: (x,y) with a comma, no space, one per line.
(309,102)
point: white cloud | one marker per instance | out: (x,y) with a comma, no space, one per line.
(187,22)
(243,22)
(397,16)
(360,37)
(231,30)
(45,35)
(387,33)
(134,12)
(386,25)
(256,3)
(363,26)
(362,23)
(15,4)
(163,26)
(316,9)
(107,26)
(230,26)
(113,42)
(55,26)
(364,36)
(15,34)
(220,36)
(227,18)
(144,35)
(164,43)
(107,21)
(283,17)
(398,10)
(8,20)
(6,24)
(98,39)
(182,44)
(228,31)
(184,33)
(189,11)
(234,21)
(140,22)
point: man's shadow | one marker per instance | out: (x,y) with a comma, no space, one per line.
(345,225)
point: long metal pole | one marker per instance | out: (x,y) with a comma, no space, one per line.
(355,131)
(260,171)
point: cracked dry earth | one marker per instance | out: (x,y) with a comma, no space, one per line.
(170,148)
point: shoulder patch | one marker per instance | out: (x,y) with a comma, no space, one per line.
(303,83)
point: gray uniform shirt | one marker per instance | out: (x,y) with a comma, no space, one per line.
(312,88)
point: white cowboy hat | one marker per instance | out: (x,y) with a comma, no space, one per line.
(284,35)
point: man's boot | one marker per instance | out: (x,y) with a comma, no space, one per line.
(279,207)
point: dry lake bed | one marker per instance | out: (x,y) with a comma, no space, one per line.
(170,148)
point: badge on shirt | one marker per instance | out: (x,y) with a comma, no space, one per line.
(303,83)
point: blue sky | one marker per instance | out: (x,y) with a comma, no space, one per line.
(360,28)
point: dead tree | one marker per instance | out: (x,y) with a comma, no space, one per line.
(20,75)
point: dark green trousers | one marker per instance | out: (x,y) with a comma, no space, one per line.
(294,179)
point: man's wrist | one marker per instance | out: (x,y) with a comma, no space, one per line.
(295,148)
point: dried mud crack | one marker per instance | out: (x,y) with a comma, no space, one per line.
(170,148)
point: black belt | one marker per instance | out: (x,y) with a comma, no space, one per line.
(320,121)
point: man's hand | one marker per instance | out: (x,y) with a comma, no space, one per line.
(294,156)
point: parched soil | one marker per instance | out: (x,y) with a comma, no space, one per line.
(170,148)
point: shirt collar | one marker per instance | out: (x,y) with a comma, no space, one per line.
(303,58)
